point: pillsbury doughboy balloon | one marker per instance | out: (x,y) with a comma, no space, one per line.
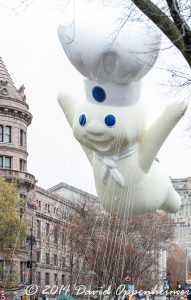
(111,123)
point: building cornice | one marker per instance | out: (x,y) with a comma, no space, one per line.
(19,176)
(72,188)
(51,219)
(16,113)
(5,146)
(14,100)
(57,197)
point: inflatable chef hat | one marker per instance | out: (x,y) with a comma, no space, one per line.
(110,57)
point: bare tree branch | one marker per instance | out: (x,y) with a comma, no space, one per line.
(156,15)
(176,16)
(181,39)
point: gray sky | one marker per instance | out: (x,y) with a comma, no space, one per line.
(33,56)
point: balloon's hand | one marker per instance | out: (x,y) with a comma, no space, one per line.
(68,105)
(155,136)
(180,106)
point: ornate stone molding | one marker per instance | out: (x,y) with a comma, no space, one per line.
(21,177)
(14,100)
(21,92)
(4,87)
(7,89)
(5,146)
(16,113)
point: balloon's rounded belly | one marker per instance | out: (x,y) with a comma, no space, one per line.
(141,193)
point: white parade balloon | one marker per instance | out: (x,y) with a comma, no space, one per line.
(111,123)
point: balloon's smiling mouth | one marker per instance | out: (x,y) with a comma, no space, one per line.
(99,140)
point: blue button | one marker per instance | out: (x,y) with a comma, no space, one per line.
(98,94)
(82,120)
(110,120)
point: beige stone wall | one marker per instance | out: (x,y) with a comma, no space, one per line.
(182,218)
(14,149)
(55,213)
(189,183)
(13,101)
(75,195)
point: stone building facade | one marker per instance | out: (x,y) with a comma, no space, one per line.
(54,216)
(45,257)
(182,219)
(14,118)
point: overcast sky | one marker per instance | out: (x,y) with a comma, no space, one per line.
(33,55)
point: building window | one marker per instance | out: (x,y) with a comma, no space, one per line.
(7,162)
(23,273)
(38,274)
(55,260)
(38,227)
(47,259)
(63,262)
(77,263)
(1,268)
(22,164)
(22,137)
(56,279)
(21,212)
(63,279)
(8,134)
(38,256)
(64,215)
(62,241)
(56,234)
(47,231)
(4,267)
(1,133)
(47,278)
(83,264)
(47,207)
(1,161)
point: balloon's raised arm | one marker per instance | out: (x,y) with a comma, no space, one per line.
(155,136)
(68,105)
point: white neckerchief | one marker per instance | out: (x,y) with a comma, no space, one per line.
(109,164)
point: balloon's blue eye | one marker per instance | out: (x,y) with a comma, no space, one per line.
(110,120)
(98,94)
(82,120)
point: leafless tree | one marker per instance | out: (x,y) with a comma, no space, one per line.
(176,265)
(112,247)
